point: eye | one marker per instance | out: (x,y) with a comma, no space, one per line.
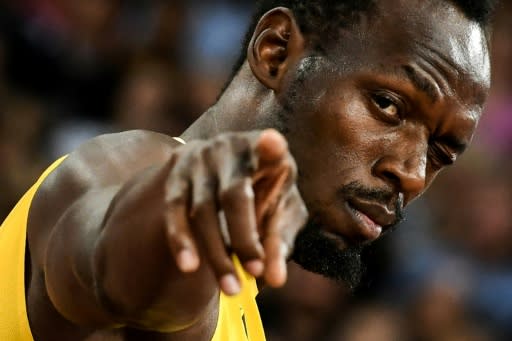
(388,106)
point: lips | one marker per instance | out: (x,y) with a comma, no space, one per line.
(380,214)
(370,217)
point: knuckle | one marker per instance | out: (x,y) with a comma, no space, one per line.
(225,195)
(223,265)
(252,136)
(175,196)
(185,150)
(217,153)
(195,159)
(177,241)
(193,155)
(238,141)
(223,139)
(245,155)
(237,154)
(197,209)
(247,244)
(246,252)
(177,238)
(207,156)
(172,234)
(236,191)
(236,138)
(247,161)
(218,143)
(201,205)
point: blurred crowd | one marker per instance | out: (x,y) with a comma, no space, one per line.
(70,70)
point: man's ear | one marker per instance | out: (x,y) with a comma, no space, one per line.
(276,42)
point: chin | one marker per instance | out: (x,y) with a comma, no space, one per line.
(328,254)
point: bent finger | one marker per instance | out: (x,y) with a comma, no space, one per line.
(181,242)
(237,200)
(204,215)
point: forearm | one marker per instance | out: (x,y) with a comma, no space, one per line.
(111,248)
(67,261)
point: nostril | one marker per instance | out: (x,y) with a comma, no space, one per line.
(392,177)
(404,176)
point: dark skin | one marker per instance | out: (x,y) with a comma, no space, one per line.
(124,236)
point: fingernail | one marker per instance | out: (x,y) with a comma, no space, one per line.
(281,265)
(229,284)
(284,250)
(255,267)
(275,276)
(187,261)
(282,271)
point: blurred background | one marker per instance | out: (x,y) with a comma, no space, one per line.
(73,69)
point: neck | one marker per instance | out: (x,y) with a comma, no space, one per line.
(245,105)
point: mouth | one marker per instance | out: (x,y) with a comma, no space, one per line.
(370,218)
(367,228)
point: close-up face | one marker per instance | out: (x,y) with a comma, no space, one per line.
(376,119)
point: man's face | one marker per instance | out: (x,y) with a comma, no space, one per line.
(373,122)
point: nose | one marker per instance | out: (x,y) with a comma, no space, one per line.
(406,176)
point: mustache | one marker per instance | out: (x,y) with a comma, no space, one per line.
(381,196)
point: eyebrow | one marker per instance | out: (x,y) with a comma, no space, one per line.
(421,82)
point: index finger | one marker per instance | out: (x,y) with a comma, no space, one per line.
(271,147)
(276,171)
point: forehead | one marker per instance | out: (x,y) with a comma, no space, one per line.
(426,32)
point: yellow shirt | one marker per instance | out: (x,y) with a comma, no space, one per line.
(14,324)
(238,319)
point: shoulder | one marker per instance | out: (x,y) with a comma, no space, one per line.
(104,161)
(109,159)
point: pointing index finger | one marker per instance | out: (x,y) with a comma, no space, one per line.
(271,147)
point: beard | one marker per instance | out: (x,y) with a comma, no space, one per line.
(338,259)
(320,254)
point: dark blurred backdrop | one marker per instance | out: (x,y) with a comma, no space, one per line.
(72,69)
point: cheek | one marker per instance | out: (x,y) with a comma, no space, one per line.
(360,137)
(338,145)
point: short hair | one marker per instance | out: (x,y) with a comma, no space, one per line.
(315,17)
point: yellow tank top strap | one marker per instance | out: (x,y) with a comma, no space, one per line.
(14,325)
(239,317)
